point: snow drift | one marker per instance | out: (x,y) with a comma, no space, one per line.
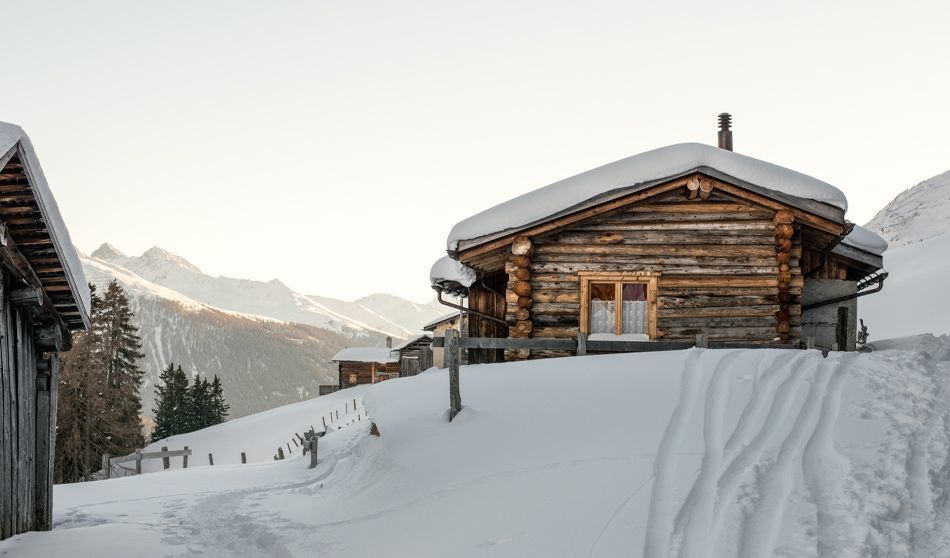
(686,453)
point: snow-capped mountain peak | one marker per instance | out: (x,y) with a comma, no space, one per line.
(108,253)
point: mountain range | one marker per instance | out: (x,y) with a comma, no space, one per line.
(269,344)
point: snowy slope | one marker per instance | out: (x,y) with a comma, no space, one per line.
(916,214)
(687,453)
(915,224)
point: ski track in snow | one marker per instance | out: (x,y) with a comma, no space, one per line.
(660,522)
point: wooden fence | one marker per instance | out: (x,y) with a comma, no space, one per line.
(112,465)
(582,346)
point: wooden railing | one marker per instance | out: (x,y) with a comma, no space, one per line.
(165,455)
(581,345)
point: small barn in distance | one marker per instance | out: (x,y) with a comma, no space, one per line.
(438,327)
(366,365)
(662,246)
(415,354)
(43,297)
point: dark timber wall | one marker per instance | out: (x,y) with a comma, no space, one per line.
(28,386)
(721,263)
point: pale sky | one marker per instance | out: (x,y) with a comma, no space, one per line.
(333,145)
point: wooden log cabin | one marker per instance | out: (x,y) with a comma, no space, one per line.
(366,365)
(665,245)
(43,297)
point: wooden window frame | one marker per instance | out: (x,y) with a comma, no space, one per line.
(648,278)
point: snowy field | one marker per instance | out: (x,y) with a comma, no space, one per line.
(688,453)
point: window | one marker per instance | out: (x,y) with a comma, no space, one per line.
(618,303)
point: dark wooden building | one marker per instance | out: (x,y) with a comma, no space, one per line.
(415,354)
(366,365)
(43,297)
(665,245)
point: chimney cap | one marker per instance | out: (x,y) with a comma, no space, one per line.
(725,131)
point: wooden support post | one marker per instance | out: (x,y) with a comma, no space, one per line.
(243,458)
(452,355)
(354,403)
(138,462)
(324,422)
(280,453)
(702,341)
(166,461)
(210,459)
(106,466)
(313,452)
(184,459)
(289,451)
(581,343)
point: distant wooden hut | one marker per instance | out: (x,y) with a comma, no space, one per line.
(43,297)
(415,354)
(366,365)
(457,321)
(684,240)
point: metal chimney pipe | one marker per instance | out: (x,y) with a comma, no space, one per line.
(725,131)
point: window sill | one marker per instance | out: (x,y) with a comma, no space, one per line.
(613,337)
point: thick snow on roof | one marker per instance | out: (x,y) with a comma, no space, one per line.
(366,354)
(10,135)
(445,269)
(653,165)
(865,239)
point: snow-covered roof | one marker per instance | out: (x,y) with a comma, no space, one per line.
(641,171)
(448,317)
(366,354)
(12,136)
(446,270)
(865,239)
(420,337)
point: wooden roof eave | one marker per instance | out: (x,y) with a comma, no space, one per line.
(57,246)
(865,260)
(820,215)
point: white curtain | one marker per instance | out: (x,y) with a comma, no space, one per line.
(634,316)
(602,316)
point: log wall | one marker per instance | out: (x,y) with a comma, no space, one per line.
(27,422)
(365,371)
(727,268)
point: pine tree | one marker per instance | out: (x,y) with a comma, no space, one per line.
(172,403)
(200,399)
(82,410)
(219,405)
(120,350)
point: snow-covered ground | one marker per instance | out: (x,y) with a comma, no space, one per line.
(690,453)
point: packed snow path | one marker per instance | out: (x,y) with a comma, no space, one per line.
(688,453)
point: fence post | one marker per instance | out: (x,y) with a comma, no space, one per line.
(455,394)
(166,461)
(138,462)
(210,459)
(243,458)
(702,341)
(581,343)
(289,451)
(280,453)
(184,459)
(354,403)
(313,452)
(106,466)
(324,422)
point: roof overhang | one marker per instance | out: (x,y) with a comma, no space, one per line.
(34,233)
